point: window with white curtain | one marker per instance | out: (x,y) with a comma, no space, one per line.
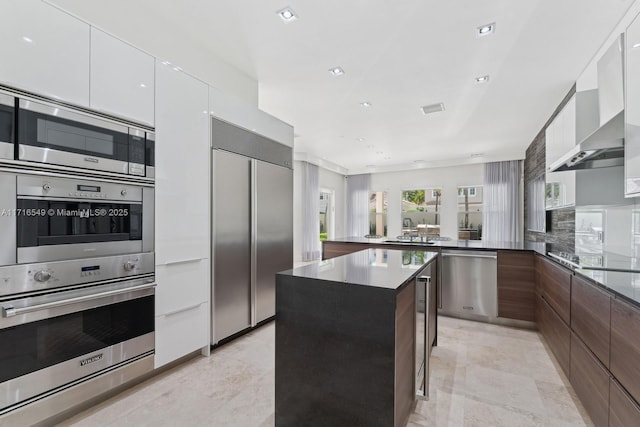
(536,204)
(501,201)
(358,205)
(310,208)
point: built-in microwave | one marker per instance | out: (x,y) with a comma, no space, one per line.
(7,126)
(52,134)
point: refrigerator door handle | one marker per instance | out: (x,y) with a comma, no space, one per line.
(254,240)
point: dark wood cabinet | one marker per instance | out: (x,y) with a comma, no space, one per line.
(557,335)
(623,410)
(625,346)
(517,285)
(555,285)
(591,317)
(590,380)
(333,249)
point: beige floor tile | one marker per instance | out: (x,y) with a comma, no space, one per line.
(481,375)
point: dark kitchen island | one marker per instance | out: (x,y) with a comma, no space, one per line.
(346,339)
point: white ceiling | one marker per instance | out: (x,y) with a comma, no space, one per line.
(400,55)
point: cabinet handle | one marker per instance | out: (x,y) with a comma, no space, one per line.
(182,310)
(470,256)
(184,261)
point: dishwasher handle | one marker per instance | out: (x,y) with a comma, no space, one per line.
(447,254)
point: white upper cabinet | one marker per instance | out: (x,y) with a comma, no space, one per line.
(560,137)
(44,50)
(632,110)
(122,79)
(182,166)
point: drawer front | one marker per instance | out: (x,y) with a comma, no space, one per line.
(590,380)
(591,317)
(557,334)
(182,284)
(516,285)
(625,346)
(556,288)
(623,411)
(181,332)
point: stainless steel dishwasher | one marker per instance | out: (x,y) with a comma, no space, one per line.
(469,284)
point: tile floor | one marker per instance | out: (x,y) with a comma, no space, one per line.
(481,375)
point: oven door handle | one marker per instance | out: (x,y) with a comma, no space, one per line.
(10,311)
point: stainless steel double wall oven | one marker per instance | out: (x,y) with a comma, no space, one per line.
(77,269)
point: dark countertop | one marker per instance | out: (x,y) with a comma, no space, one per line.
(623,285)
(539,247)
(381,268)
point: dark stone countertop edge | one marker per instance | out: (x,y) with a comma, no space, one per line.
(402,285)
(541,248)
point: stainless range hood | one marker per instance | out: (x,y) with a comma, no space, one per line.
(604,147)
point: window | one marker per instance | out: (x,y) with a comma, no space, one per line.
(421,211)
(325,206)
(470,191)
(470,213)
(378,213)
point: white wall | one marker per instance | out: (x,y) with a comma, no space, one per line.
(133,23)
(449,179)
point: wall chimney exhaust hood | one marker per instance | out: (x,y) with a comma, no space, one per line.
(604,147)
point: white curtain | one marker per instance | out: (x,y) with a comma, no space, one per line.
(310,212)
(358,205)
(501,201)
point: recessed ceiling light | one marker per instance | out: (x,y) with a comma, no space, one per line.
(361,140)
(27,39)
(637,45)
(177,69)
(166,63)
(366,104)
(476,155)
(433,108)
(336,71)
(482,79)
(142,85)
(287,14)
(485,30)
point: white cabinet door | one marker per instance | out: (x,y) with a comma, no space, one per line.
(560,137)
(182,284)
(122,79)
(44,50)
(632,110)
(182,166)
(181,332)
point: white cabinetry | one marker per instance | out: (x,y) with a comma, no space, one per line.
(632,110)
(560,137)
(45,51)
(235,110)
(122,79)
(182,214)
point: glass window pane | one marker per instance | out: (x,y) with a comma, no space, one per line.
(378,204)
(421,210)
(470,213)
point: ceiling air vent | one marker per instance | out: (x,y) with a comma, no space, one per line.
(433,108)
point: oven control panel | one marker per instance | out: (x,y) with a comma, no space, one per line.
(24,278)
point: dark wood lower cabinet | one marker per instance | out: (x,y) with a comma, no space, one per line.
(332,250)
(590,380)
(625,346)
(516,285)
(556,333)
(623,411)
(591,317)
(555,285)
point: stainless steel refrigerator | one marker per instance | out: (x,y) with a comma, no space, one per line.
(252,228)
